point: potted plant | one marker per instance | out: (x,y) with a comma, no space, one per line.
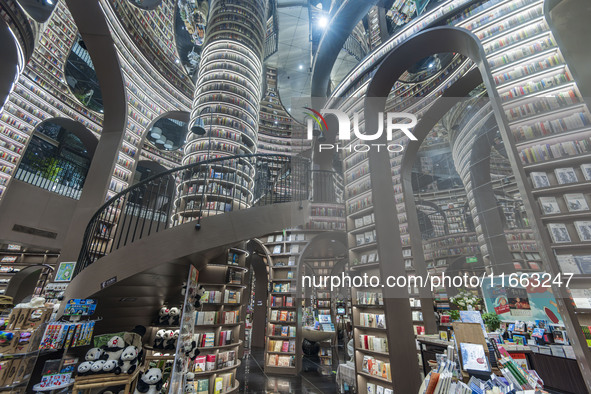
(491,321)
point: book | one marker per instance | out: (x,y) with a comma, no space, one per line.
(576,202)
(586,170)
(210,362)
(565,175)
(549,205)
(583,230)
(200,364)
(559,233)
(568,264)
(540,179)
(584,263)
(474,357)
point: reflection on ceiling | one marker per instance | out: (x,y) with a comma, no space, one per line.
(190,22)
(81,77)
(426,68)
(168,134)
(293,57)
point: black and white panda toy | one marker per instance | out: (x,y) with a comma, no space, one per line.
(110,366)
(129,360)
(92,355)
(190,349)
(97,366)
(114,348)
(150,382)
(174,315)
(163,316)
(190,383)
(159,340)
(169,341)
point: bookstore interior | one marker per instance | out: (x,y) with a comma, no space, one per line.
(194,197)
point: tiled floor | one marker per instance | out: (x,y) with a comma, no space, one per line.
(254,380)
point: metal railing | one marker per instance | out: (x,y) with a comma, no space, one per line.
(52,173)
(188,193)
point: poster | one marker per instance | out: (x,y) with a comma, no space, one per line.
(65,272)
(520,303)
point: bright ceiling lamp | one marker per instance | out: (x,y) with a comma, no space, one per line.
(322,22)
(168,144)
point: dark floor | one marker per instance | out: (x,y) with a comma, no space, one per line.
(254,380)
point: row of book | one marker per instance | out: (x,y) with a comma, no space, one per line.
(215,297)
(365,238)
(281,287)
(551,127)
(373,388)
(576,264)
(282,301)
(327,211)
(276,360)
(515,20)
(374,320)
(221,384)
(216,317)
(535,86)
(281,346)
(212,362)
(286,316)
(369,298)
(283,331)
(207,339)
(542,105)
(374,343)
(376,367)
(364,221)
(522,52)
(528,31)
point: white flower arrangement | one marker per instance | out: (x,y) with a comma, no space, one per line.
(464,299)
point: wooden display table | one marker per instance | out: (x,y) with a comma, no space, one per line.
(84,383)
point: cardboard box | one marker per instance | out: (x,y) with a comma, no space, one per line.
(12,318)
(35,317)
(10,372)
(4,366)
(24,339)
(22,317)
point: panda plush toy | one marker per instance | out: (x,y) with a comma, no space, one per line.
(110,366)
(174,316)
(159,339)
(169,341)
(114,348)
(128,361)
(97,366)
(189,383)
(90,358)
(163,316)
(190,349)
(198,294)
(150,382)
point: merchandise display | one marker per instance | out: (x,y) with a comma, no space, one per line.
(222,196)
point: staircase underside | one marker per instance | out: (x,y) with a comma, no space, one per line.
(151,271)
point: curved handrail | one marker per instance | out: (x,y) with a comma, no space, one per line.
(190,192)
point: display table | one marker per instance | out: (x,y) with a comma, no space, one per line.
(558,373)
(316,335)
(38,388)
(84,383)
(345,374)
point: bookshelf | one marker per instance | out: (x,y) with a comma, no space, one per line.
(219,329)
(13,258)
(282,347)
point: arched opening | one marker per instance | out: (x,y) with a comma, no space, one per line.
(81,77)
(146,5)
(146,169)
(58,157)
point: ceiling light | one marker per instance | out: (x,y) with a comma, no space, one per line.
(319,6)
(430,65)
(50,2)
(301,67)
(161,140)
(156,132)
(168,144)
(322,22)
(177,61)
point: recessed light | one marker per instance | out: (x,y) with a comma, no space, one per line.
(322,22)
(301,67)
